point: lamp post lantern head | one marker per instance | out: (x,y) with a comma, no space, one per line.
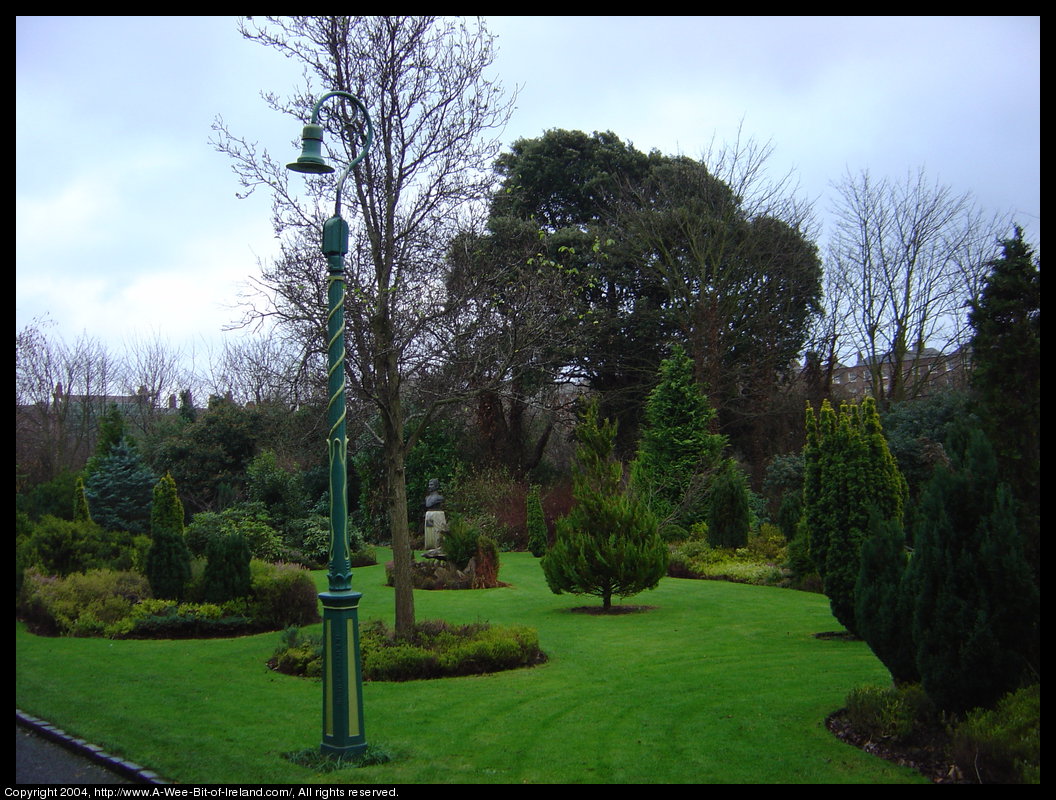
(311,160)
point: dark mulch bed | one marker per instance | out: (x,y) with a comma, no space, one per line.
(611,610)
(926,753)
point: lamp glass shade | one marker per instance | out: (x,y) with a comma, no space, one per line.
(311,160)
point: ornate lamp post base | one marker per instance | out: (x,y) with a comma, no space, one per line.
(342,676)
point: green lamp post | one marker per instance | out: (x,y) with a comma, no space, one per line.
(343,732)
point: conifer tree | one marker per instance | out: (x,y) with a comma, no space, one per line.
(884,600)
(848,474)
(728,514)
(608,545)
(677,451)
(119,491)
(1006,352)
(227,574)
(536,523)
(976,623)
(169,559)
(80,503)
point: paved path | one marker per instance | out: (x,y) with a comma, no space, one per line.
(47,755)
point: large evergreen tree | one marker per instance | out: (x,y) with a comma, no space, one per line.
(678,450)
(1006,353)
(848,474)
(976,622)
(608,545)
(119,491)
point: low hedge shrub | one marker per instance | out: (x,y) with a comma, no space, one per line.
(1003,744)
(895,713)
(436,649)
(118,604)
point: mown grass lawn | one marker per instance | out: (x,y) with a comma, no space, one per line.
(714,683)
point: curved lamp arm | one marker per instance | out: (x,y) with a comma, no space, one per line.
(311,160)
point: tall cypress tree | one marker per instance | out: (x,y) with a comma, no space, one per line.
(80,503)
(536,522)
(608,545)
(169,559)
(849,474)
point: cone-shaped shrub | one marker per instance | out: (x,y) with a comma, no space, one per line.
(169,559)
(608,545)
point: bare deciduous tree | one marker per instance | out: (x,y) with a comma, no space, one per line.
(905,260)
(436,115)
(60,391)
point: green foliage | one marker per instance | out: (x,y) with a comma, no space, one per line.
(891,712)
(253,522)
(677,450)
(608,544)
(438,649)
(536,523)
(279,491)
(917,429)
(85,604)
(460,541)
(169,559)
(849,473)
(80,503)
(728,518)
(205,526)
(783,478)
(299,654)
(120,491)
(803,573)
(790,513)
(118,604)
(1006,353)
(884,600)
(283,595)
(1003,744)
(61,547)
(698,559)
(208,457)
(51,498)
(227,574)
(976,612)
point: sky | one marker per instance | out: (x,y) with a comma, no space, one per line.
(128,228)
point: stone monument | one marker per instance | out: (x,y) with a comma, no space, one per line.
(435,519)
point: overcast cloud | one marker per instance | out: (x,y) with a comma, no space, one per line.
(127,224)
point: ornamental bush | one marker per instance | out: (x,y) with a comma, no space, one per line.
(283,595)
(608,545)
(849,474)
(536,523)
(227,574)
(728,516)
(169,559)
